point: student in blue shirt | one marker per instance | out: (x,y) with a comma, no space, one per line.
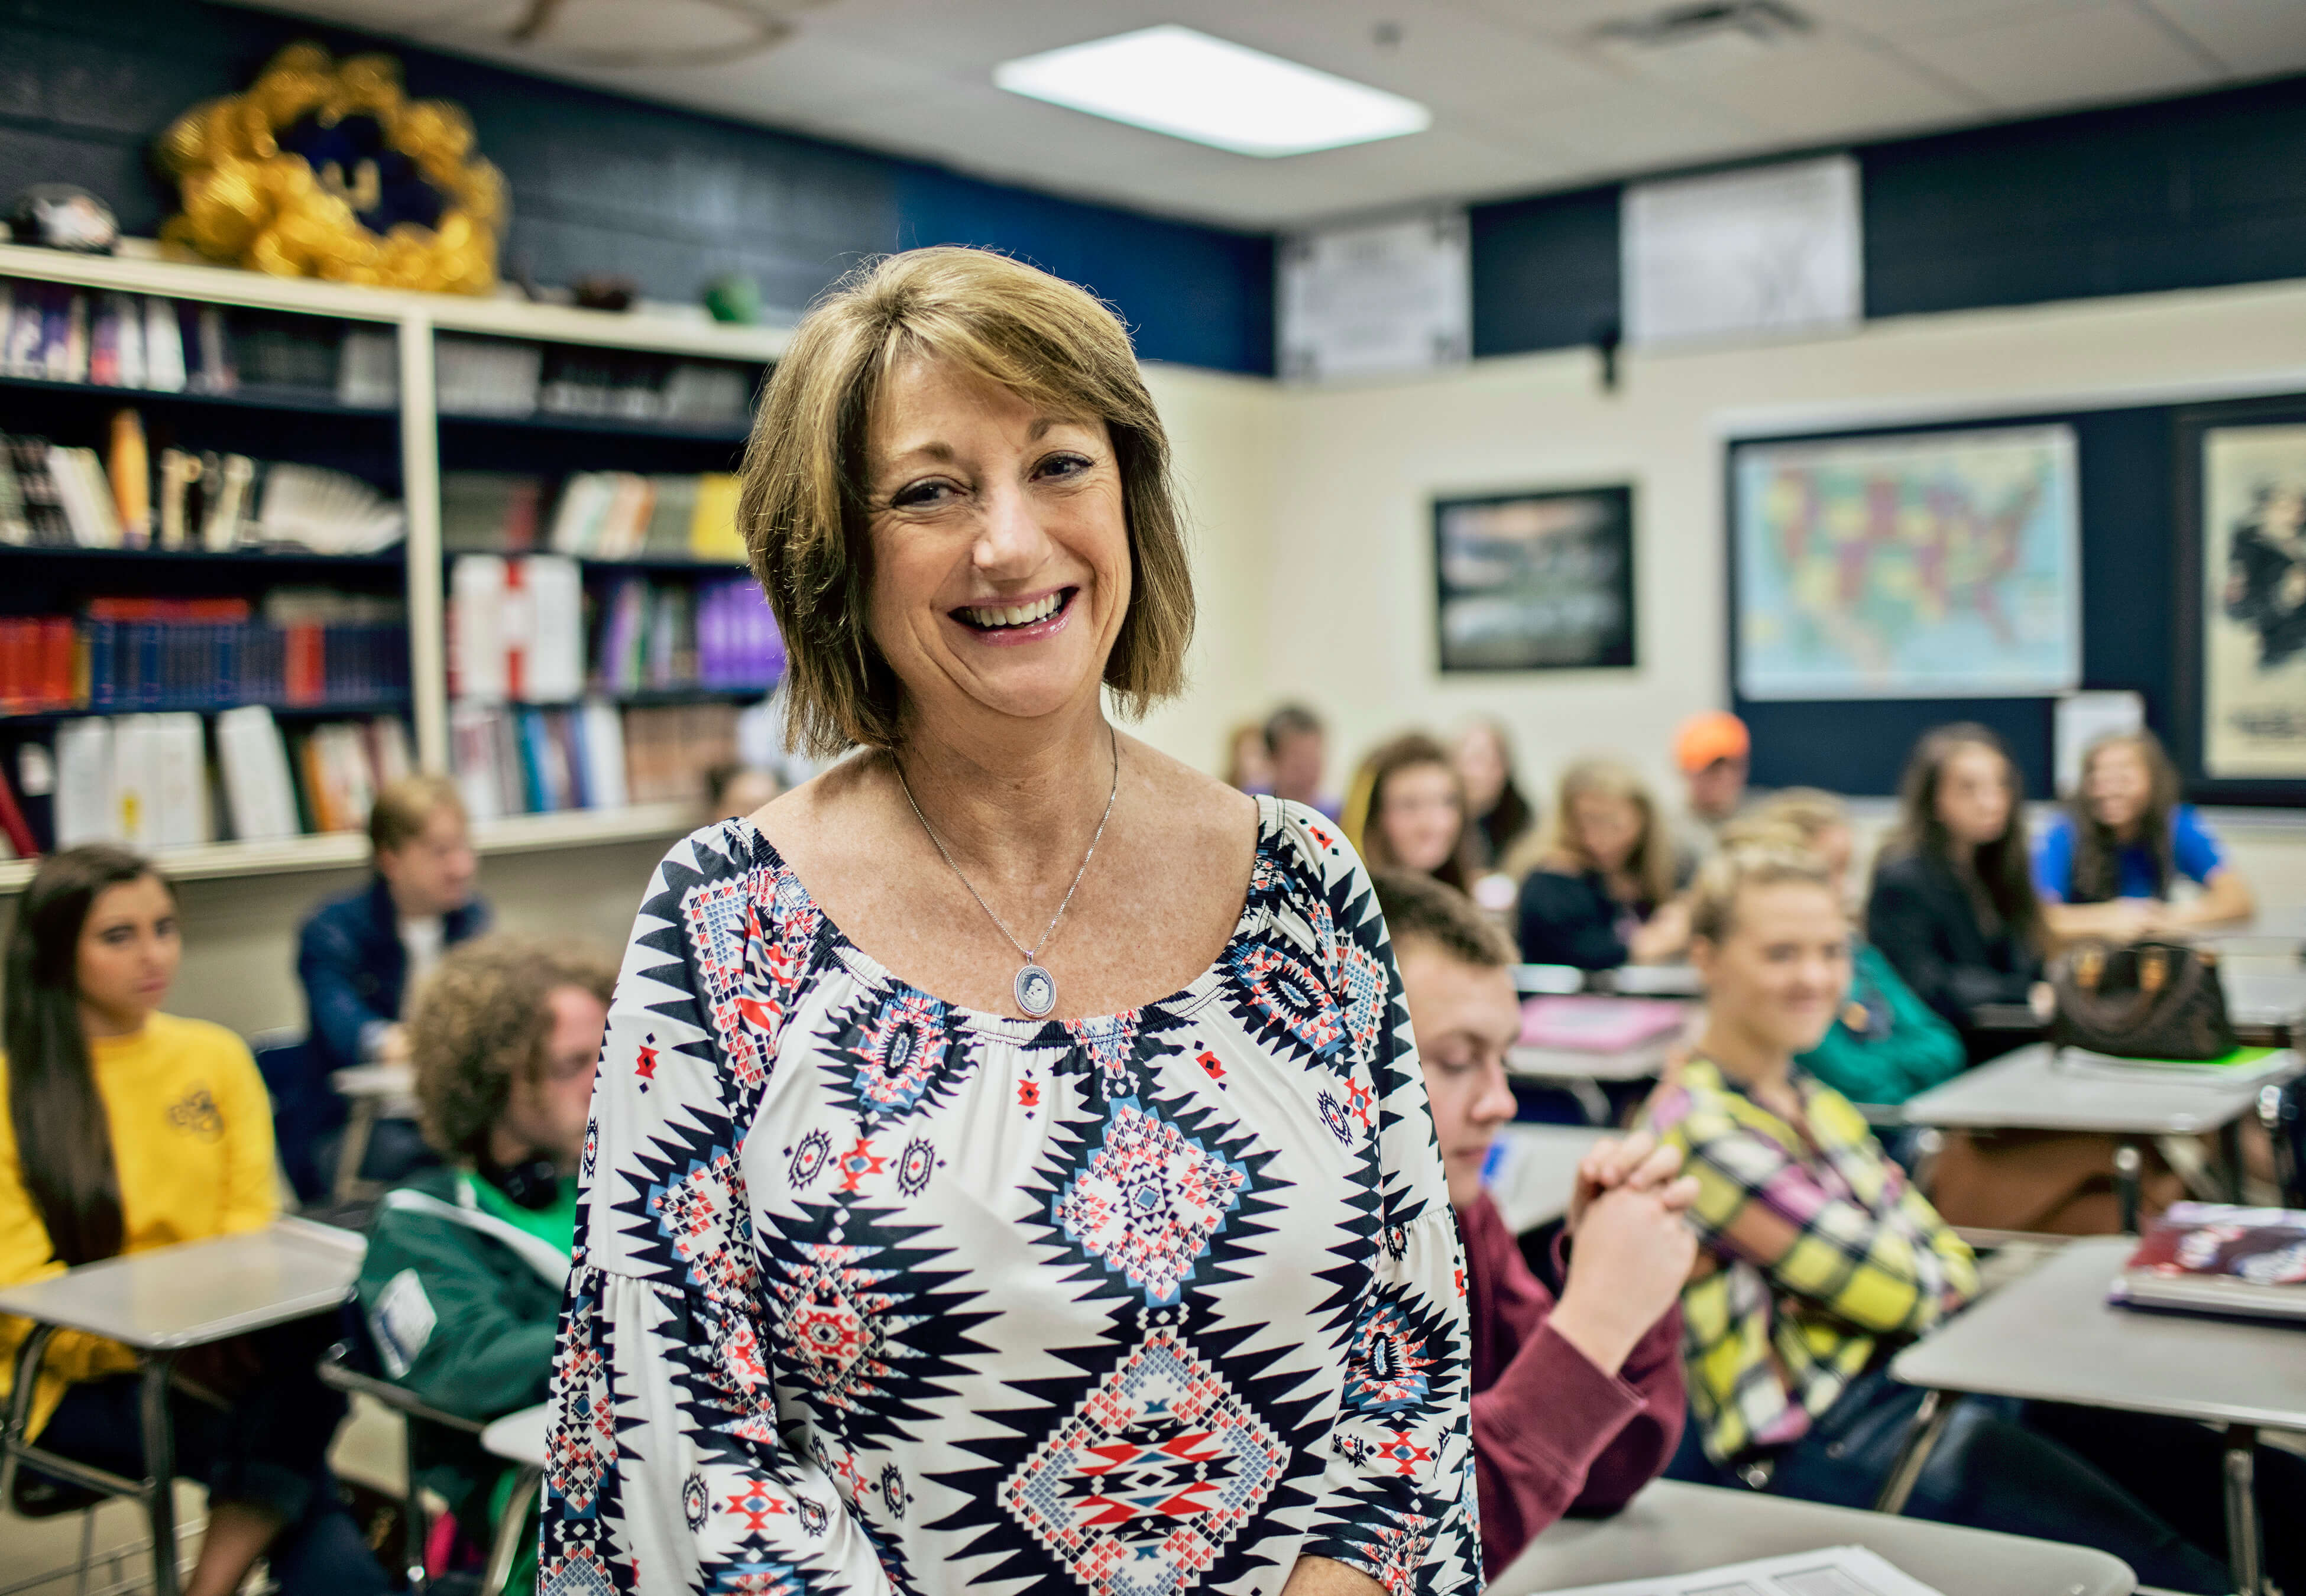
(2105,867)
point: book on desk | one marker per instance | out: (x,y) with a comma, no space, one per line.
(2219,1259)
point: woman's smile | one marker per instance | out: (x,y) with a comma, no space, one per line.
(1006,622)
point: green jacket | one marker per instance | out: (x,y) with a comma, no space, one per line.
(462,1304)
(1897,1048)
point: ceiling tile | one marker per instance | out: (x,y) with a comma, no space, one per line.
(2254,39)
(2102,52)
(1832,88)
(1923,19)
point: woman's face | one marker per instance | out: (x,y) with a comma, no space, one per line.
(1001,570)
(1973,796)
(128,952)
(2118,786)
(1419,812)
(1607,827)
(1779,973)
(1481,766)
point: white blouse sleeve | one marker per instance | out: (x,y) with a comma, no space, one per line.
(665,1469)
(1398,1500)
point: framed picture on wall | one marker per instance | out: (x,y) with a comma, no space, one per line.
(1542,580)
(1921,565)
(2242,664)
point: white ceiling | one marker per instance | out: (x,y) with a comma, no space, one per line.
(1523,96)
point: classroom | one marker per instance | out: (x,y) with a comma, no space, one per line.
(637,637)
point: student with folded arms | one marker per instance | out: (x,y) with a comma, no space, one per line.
(1577,1403)
(1819,1261)
(1603,891)
(466,1263)
(127,1130)
(2106,865)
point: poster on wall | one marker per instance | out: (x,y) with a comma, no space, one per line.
(1936,565)
(1535,581)
(2253,598)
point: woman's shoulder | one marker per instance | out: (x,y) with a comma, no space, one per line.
(203,1039)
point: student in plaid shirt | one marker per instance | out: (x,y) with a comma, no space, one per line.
(1819,1261)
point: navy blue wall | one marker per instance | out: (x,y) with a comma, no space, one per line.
(2184,194)
(601,183)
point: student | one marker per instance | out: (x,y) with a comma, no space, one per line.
(733,790)
(466,1264)
(1602,894)
(2105,866)
(359,954)
(1713,752)
(1248,766)
(1502,816)
(1821,1261)
(1886,1045)
(1952,905)
(128,1129)
(1297,746)
(1578,1404)
(1407,812)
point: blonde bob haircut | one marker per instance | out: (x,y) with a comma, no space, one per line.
(803,509)
(1770,860)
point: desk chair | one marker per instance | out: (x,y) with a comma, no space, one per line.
(66,1483)
(35,1496)
(342,1369)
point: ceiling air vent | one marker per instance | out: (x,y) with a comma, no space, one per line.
(1707,28)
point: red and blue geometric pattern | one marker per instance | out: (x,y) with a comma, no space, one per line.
(1146,1201)
(1162,1464)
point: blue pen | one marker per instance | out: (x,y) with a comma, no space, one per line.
(1492,1162)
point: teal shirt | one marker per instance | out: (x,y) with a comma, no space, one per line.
(1899,1047)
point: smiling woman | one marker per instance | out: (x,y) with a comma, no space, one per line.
(1009,1163)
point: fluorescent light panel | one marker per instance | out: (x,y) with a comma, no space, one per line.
(1178,80)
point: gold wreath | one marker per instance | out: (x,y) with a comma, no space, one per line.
(248,203)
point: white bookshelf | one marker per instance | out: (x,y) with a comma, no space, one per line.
(418,320)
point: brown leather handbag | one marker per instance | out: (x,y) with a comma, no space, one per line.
(2156,1000)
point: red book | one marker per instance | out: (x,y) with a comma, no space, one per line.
(308,680)
(11,823)
(59,657)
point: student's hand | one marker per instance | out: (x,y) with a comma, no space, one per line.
(1634,1161)
(1664,938)
(1630,1256)
(2043,999)
(392,1046)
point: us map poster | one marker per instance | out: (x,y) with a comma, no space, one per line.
(2253,601)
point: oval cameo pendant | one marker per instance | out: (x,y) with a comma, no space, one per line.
(1037,990)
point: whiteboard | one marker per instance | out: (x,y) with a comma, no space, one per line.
(1761,250)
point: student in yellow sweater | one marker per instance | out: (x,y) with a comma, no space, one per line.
(127,1129)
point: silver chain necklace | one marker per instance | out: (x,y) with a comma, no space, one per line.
(1035,987)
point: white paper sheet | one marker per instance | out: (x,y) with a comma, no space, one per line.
(1830,1571)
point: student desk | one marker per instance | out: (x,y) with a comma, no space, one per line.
(2051,1336)
(376,1091)
(1534,1169)
(161,1304)
(2033,1089)
(1672,1528)
(517,1438)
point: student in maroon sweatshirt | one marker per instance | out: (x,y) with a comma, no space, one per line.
(1578,1404)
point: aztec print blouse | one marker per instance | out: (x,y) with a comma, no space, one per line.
(875,1293)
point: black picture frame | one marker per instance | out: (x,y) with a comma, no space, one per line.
(2191,427)
(1560,594)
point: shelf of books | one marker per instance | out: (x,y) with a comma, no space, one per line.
(265,544)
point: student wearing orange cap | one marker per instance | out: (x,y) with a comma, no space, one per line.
(1713,752)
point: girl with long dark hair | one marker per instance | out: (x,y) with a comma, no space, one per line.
(1953,905)
(127,1130)
(2105,866)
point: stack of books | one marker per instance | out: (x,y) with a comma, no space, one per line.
(597,514)
(2220,1260)
(501,377)
(305,649)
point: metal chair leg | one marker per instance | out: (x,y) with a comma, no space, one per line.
(2129,1169)
(504,1547)
(87,1550)
(1929,1424)
(160,1472)
(2245,1552)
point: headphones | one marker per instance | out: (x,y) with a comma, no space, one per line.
(532,1184)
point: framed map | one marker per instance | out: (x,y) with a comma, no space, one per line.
(2253,592)
(1535,581)
(1928,565)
